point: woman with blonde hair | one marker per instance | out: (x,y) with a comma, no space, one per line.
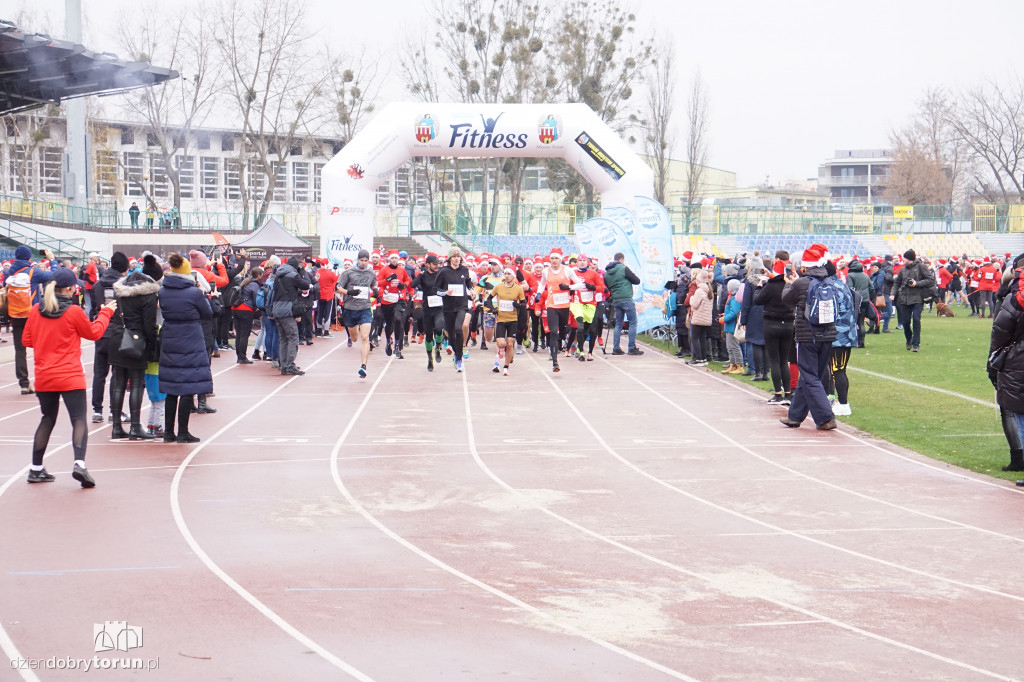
(55,329)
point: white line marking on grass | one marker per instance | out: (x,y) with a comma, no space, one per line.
(265,610)
(960,396)
(454,571)
(962,475)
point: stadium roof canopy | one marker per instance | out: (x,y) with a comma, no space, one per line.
(36,70)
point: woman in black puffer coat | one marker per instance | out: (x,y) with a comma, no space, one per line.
(136,296)
(1008,331)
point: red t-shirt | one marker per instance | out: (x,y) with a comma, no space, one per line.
(328,281)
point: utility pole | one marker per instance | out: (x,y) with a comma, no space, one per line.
(76,177)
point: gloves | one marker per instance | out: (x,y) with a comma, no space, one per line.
(519,276)
(442,293)
(392,277)
(591,287)
(401,285)
(488,285)
(563,286)
(354,291)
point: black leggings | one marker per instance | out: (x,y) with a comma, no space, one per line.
(841,382)
(49,405)
(778,341)
(394,316)
(558,327)
(453,320)
(243,327)
(697,344)
(182,405)
(431,320)
(119,378)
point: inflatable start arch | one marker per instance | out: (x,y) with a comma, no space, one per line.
(573,132)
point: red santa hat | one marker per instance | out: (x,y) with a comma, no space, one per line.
(687,255)
(556,253)
(814,255)
(393,253)
(779,266)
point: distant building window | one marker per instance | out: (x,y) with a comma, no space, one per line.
(338,147)
(152,140)
(296,150)
(158,182)
(127,137)
(106,173)
(535,179)
(227,143)
(300,181)
(317,174)
(231,172)
(203,141)
(132,168)
(186,175)
(210,169)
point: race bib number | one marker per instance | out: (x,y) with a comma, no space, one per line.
(586,296)
(599,297)
(989,275)
(434,301)
(456,290)
(390,298)
(560,298)
(506,306)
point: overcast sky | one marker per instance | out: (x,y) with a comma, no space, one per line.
(788,82)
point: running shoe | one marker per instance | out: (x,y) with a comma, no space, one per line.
(448,350)
(842,410)
(465,354)
(458,366)
(350,343)
(430,364)
(387,350)
(590,357)
(398,354)
(504,372)
(777,399)
(519,349)
(437,355)
(97,417)
(555,368)
(581,357)
(496,368)
(41,476)
(81,474)
(362,372)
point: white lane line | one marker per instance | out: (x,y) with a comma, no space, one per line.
(841,530)
(785,531)
(336,475)
(267,612)
(675,567)
(6,643)
(926,387)
(743,388)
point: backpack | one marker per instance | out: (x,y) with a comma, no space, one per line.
(236,297)
(821,302)
(266,293)
(19,293)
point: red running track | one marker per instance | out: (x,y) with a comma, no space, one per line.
(628,518)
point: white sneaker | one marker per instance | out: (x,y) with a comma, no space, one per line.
(841,409)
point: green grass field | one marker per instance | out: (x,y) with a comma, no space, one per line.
(946,427)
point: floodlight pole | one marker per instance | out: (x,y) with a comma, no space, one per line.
(76,177)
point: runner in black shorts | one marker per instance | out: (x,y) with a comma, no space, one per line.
(506,299)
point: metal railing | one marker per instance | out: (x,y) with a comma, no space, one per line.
(846,180)
(38,241)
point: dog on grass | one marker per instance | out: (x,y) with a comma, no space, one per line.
(944,310)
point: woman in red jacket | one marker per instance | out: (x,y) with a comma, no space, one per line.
(55,329)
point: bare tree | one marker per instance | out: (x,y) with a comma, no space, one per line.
(598,60)
(697,120)
(22,142)
(266,50)
(916,176)
(989,120)
(355,84)
(659,135)
(172,111)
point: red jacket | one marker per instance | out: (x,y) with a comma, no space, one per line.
(989,278)
(328,281)
(58,346)
(591,276)
(389,289)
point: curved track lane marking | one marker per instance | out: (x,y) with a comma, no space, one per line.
(771,526)
(6,643)
(808,477)
(456,572)
(1005,486)
(253,601)
(685,571)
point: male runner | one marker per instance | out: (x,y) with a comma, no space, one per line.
(558,282)
(583,306)
(392,281)
(507,299)
(357,284)
(484,286)
(433,309)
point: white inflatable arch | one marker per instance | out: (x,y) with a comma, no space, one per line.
(404,130)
